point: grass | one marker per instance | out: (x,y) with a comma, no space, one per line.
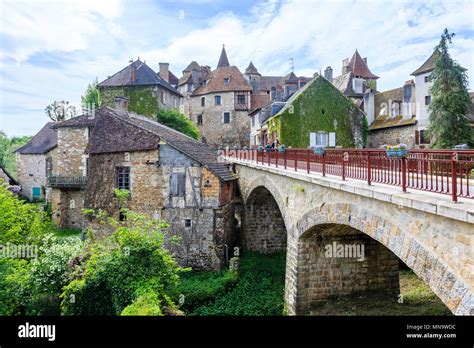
(255,289)
(418,299)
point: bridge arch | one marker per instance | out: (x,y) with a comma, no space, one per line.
(264,224)
(385,242)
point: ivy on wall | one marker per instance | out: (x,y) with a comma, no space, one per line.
(141,99)
(315,109)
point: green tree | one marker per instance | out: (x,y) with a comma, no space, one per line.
(60,110)
(449,106)
(173,119)
(91,99)
(4,149)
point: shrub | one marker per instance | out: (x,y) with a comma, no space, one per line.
(122,268)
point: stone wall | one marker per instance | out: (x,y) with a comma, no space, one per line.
(213,129)
(70,157)
(31,172)
(203,225)
(392,136)
(323,274)
(66,206)
(263,226)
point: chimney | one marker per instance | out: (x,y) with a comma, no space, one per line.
(164,71)
(121,103)
(345,66)
(328,74)
(365,60)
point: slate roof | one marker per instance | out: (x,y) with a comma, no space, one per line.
(144,76)
(214,81)
(267,82)
(342,82)
(251,69)
(223,60)
(45,140)
(192,66)
(428,65)
(121,131)
(360,68)
(173,80)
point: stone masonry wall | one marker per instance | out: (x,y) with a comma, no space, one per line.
(322,275)
(72,143)
(392,136)
(31,172)
(213,129)
(263,227)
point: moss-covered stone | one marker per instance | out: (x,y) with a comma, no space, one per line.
(314,109)
(141,99)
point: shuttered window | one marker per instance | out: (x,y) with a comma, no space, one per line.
(177,184)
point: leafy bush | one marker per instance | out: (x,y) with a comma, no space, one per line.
(113,274)
(173,119)
(20,222)
(15,286)
(146,304)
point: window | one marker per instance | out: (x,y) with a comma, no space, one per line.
(424,139)
(321,139)
(122,178)
(162,96)
(253,121)
(187,223)
(49,166)
(428,100)
(207,182)
(241,99)
(199,120)
(395,108)
(226,81)
(36,192)
(226,117)
(177,184)
(217,100)
(203,101)
(427,78)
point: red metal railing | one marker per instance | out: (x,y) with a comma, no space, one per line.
(440,171)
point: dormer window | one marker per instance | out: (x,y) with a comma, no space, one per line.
(226,81)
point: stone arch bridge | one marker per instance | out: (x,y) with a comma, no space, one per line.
(313,215)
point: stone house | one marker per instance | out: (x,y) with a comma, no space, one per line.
(34,162)
(218,102)
(318,114)
(355,78)
(145,90)
(168,174)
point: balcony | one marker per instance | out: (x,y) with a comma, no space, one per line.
(71,182)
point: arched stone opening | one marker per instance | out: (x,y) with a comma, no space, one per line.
(338,260)
(264,228)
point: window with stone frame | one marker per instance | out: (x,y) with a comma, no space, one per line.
(217,100)
(162,96)
(226,117)
(427,100)
(199,120)
(203,101)
(122,178)
(178,184)
(49,166)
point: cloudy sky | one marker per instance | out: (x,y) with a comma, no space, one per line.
(51,50)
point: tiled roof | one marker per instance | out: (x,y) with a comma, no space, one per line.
(143,76)
(428,65)
(45,140)
(120,131)
(214,82)
(223,60)
(259,100)
(360,68)
(388,122)
(78,121)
